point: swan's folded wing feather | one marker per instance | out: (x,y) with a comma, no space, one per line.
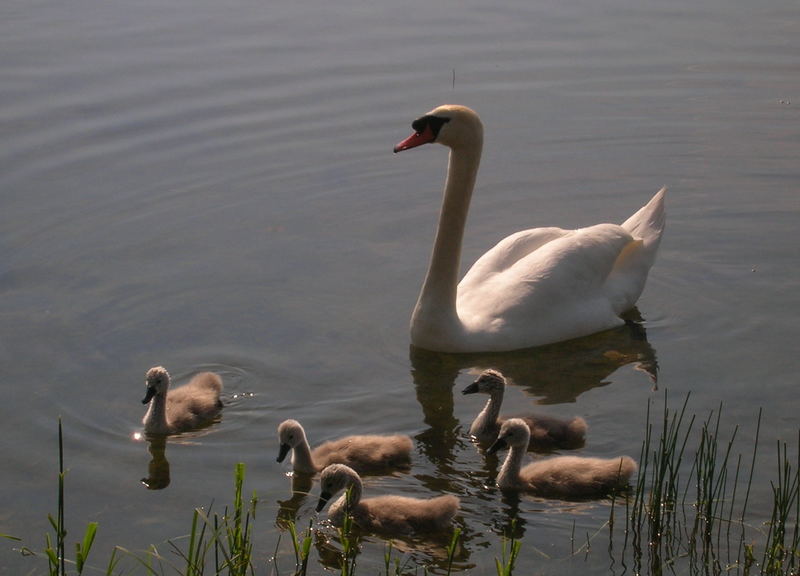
(570,267)
(509,252)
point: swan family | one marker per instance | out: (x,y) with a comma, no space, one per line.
(534,287)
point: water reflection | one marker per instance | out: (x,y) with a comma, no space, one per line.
(158,468)
(287,509)
(556,374)
(430,550)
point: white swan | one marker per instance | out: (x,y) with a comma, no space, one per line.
(535,287)
(390,514)
(366,453)
(184,408)
(560,476)
(547,433)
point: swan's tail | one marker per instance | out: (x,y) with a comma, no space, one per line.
(648,222)
(627,279)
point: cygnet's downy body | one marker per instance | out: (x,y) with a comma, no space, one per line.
(390,514)
(567,477)
(185,408)
(366,454)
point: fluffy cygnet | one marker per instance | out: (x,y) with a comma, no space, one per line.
(560,476)
(389,514)
(184,408)
(367,454)
(547,432)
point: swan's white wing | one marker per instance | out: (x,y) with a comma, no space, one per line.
(544,285)
(508,252)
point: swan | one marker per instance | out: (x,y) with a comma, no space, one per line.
(560,476)
(367,454)
(535,287)
(546,432)
(390,514)
(184,408)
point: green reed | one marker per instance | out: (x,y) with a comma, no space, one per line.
(687,521)
(302,547)
(55,547)
(783,538)
(510,550)
(652,513)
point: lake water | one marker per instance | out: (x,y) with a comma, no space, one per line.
(210,185)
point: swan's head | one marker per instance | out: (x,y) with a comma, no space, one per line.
(450,125)
(489,382)
(332,480)
(157,382)
(514,433)
(290,434)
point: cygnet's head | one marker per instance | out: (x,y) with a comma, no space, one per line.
(451,125)
(489,382)
(333,479)
(514,433)
(157,382)
(290,434)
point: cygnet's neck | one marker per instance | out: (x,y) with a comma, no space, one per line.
(508,477)
(339,508)
(435,314)
(485,425)
(155,419)
(302,460)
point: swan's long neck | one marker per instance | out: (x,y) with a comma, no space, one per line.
(155,419)
(435,312)
(485,425)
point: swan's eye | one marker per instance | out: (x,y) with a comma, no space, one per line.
(432,123)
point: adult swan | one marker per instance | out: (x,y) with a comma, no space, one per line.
(534,287)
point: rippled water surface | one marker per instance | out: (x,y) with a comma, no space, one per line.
(210,186)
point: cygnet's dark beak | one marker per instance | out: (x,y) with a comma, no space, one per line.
(283,451)
(499,444)
(323,499)
(471,389)
(151,391)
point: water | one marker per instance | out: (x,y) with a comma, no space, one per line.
(211,186)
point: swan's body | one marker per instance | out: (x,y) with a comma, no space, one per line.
(184,408)
(367,454)
(560,476)
(534,287)
(389,514)
(546,432)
